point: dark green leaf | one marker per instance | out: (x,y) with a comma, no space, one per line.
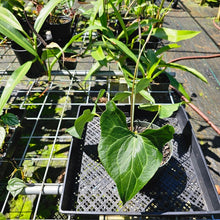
(141,85)
(77,130)
(15,186)
(165,134)
(10,119)
(178,86)
(130,159)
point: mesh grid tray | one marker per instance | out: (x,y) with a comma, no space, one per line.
(183,187)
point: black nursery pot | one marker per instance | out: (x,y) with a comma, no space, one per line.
(61,32)
(37,69)
(68,62)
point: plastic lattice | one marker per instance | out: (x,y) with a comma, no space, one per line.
(173,188)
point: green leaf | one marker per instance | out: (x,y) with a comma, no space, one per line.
(187,69)
(2,136)
(95,67)
(10,119)
(166,48)
(147,96)
(118,16)
(126,51)
(130,159)
(174,35)
(141,85)
(77,130)
(44,13)
(99,56)
(13,80)
(15,186)
(120,96)
(178,86)
(7,30)
(165,111)
(8,17)
(164,133)
(2,217)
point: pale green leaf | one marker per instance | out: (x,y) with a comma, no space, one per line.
(2,136)
(147,96)
(13,80)
(99,56)
(15,186)
(165,111)
(7,30)
(7,17)
(174,35)
(187,69)
(44,13)
(120,96)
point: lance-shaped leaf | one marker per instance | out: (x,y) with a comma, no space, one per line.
(147,96)
(187,69)
(8,17)
(44,14)
(14,79)
(174,35)
(125,50)
(120,96)
(7,30)
(99,56)
(131,159)
(2,136)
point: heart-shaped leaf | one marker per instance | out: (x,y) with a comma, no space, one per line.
(10,119)
(131,159)
(15,186)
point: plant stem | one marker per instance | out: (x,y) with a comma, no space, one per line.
(152,121)
(134,79)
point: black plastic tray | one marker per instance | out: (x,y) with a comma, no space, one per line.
(184,187)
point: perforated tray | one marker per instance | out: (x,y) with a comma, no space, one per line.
(184,187)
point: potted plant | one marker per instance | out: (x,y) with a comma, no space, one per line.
(62,21)
(126,154)
(129,157)
(11,28)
